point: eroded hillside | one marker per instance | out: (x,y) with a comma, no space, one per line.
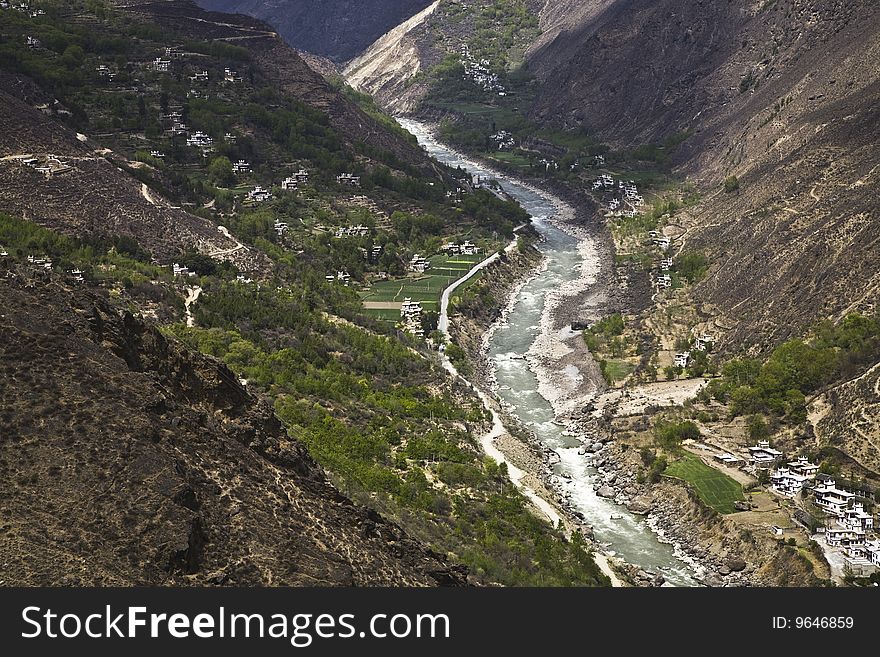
(132,461)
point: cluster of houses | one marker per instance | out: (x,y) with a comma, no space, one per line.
(40,262)
(467,248)
(23,7)
(419,264)
(352,231)
(502,140)
(411,317)
(231,76)
(701,343)
(849,526)
(348,180)
(44,263)
(480,73)
(625,194)
(49,166)
(241,166)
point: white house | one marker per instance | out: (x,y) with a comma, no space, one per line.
(160,65)
(666,264)
(872,551)
(787,483)
(664,281)
(349,180)
(259,195)
(728,459)
(682,359)
(803,466)
(200,139)
(419,264)
(241,166)
(856,518)
(831,499)
(763,454)
(469,248)
(180,270)
(838,536)
(703,342)
(281,227)
(231,76)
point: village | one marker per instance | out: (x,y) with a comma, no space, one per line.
(836,517)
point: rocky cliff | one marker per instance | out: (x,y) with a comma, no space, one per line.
(130,461)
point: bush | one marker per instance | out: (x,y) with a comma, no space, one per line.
(731,184)
(671,434)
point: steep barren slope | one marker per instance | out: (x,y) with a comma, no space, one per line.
(129,460)
(784,96)
(337,29)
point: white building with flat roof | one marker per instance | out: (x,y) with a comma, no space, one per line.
(763,454)
(832,499)
(787,483)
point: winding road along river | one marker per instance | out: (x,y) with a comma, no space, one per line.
(627,536)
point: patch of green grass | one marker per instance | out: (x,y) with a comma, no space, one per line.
(617,370)
(383,314)
(715,488)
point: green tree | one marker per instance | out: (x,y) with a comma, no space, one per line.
(220,171)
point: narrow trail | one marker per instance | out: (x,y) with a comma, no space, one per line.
(191,297)
(225,252)
(148,195)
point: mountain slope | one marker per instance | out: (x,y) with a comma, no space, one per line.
(131,461)
(95,195)
(783,96)
(338,30)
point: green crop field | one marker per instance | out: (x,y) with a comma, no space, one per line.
(426,288)
(715,488)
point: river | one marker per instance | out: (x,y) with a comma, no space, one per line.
(628,536)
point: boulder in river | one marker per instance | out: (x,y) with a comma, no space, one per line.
(640,505)
(596,446)
(605,491)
